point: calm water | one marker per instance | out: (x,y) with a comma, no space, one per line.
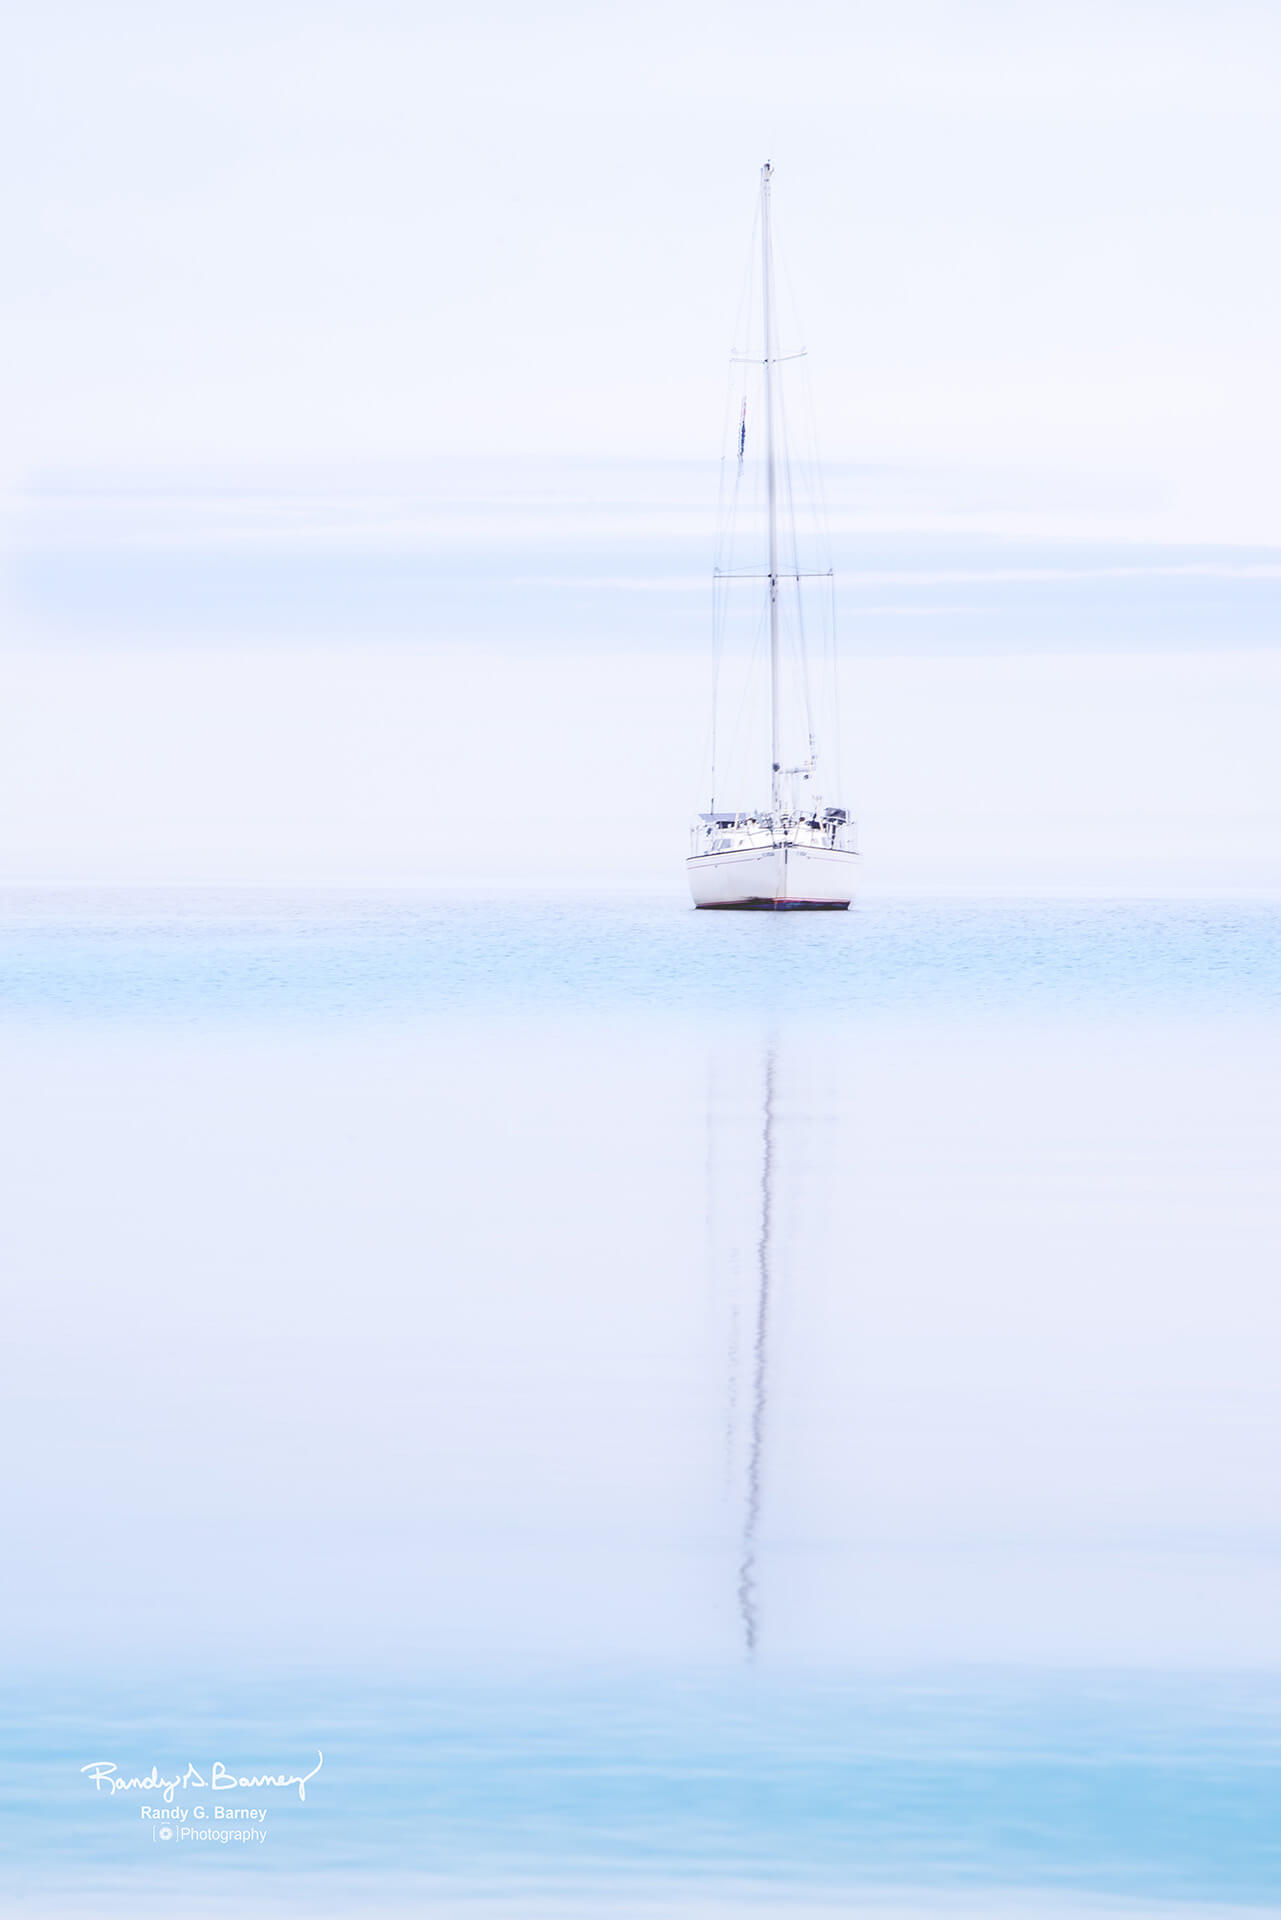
(108,953)
(676,1788)
(701,1413)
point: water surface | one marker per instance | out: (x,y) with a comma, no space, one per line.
(700,1413)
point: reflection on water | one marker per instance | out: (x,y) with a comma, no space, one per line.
(748,1605)
(756,1194)
(339,1342)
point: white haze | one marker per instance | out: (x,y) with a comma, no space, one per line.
(1039,240)
(486,766)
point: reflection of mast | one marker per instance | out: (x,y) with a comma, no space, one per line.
(747,1606)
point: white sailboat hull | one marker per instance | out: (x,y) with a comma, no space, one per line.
(774,878)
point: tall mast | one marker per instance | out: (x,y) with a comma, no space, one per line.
(767,300)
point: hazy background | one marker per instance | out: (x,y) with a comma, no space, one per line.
(362,387)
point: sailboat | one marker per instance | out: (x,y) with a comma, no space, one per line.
(796,852)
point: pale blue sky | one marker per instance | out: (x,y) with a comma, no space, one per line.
(1031,238)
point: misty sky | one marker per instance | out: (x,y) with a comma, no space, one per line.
(1031,238)
(382,350)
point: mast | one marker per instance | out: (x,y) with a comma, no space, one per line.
(767,301)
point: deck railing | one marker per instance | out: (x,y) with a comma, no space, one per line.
(746,833)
